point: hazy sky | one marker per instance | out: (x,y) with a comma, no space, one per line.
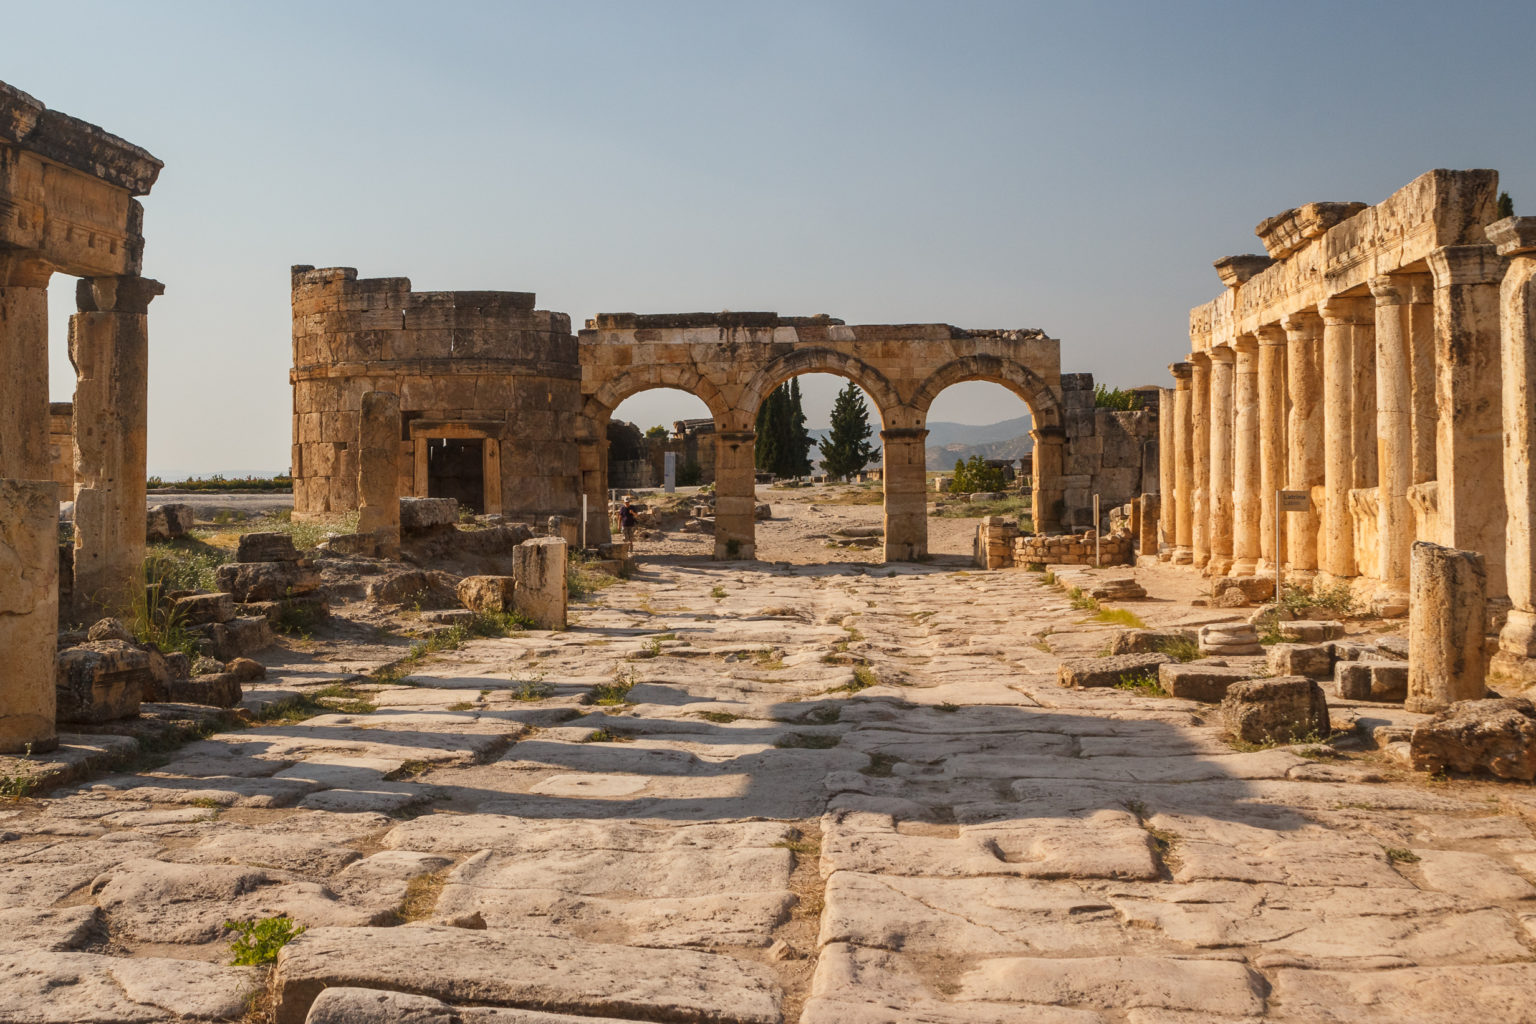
(1069,166)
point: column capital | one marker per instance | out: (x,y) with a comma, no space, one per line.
(24,269)
(1514,236)
(1048,435)
(1346,311)
(738,436)
(1271,334)
(1199,361)
(126,294)
(904,434)
(1245,344)
(1465,264)
(1302,325)
(1223,355)
(1389,290)
(1181,372)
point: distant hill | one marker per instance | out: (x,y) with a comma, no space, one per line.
(948,443)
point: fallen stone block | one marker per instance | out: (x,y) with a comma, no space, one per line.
(110,629)
(1311,631)
(167,522)
(762,510)
(1280,710)
(1149,641)
(100,681)
(1496,736)
(1254,589)
(425,589)
(448,616)
(1121,589)
(266,581)
(1111,671)
(219,690)
(1229,639)
(266,547)
(486,593)
(540,591)
(1352,650)
(236,638)
(1312,660)
(197,609)
(459,965)
(1208,683)
(290,613)
(1394,647)
(418,515)
(1372,680)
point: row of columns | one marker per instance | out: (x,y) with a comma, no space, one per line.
(1354,402)
(109,346)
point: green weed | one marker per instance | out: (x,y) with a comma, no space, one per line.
(1120,617)
(260,940)
(806,741)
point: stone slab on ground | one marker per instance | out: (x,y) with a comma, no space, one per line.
(1494,736)
(1276,710)
(1110,671)
(1207,683)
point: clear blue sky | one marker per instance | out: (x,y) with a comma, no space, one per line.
(1069,166)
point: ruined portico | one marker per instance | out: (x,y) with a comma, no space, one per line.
(67,206)
(1359,362)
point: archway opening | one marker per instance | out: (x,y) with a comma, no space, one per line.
(980,462)
(661,448)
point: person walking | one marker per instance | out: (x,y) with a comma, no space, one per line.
(627,520)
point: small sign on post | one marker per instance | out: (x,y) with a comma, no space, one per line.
(669,472)
(1286,501)
(1098,563)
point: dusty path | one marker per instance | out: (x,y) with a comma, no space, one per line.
(753,834)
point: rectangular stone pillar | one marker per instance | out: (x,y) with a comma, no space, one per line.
(109,347)
(1183,458)
(1469,441)
(592,456)
(1516,239)
(538,581)
(1272,442)
(1394,445)
(378,471)
(1341,317)
(1219,489)
(735,494)
(1304,451)
(1200,444)
(1448,611)
(1421,349)
(1246,502)
(23,369)
(906,495)
(1167,456)
(1049,462)
(29,613)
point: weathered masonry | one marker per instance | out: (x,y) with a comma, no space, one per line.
(67,206)
(1358,362)
(489,392)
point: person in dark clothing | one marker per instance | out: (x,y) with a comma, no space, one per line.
(627,520)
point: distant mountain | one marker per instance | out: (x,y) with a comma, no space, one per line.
(948,443)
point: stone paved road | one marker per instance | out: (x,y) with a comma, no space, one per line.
(751,836)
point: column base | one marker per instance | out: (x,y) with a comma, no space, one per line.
(1389,603)
(1182,556)
(1219,565)
(1518,637)
(1244,567)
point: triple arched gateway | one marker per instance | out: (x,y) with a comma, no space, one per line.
(731,361)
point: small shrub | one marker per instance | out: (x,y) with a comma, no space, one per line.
(1144,683)
(616,692)
(604,735)
(806,741)
(947,708)
(1082,601)
(717,592)
(973,474)
(532,688)
(1399,855)
(1120,617)
(718,717)
(16,787)
(260,940)
(1181,649)
(155,619)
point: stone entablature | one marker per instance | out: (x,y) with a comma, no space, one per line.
(483,372)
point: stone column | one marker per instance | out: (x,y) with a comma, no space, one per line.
(1448,611)
(1049,461)
(1469,440)
(378,471)
(1220,487)
(1246,491)
(1200,443)
(1394,445)
(1421,352)
(109,347)
(24,369)
(1304,452)
(539,583)
(1183,458)
(1167,457)
(29,613)
(1272,441)
(906,496)
(1340,318)
(735,494)
(1516,239)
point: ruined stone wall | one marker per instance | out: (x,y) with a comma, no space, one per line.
(1109,453)
(61,447)
(482,367)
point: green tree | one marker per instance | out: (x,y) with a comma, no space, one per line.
(1114,398)
(657,431)
(1506,206)
(846,448)
(772,418)
(798,462)
(973,474)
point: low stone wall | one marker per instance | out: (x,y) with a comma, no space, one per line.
(1000,545)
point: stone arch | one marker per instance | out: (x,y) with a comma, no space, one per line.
(820,360)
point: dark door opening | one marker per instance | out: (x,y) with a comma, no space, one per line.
(456,469)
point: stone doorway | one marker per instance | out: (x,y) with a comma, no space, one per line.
(455,469)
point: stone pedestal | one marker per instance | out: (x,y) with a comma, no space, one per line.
(1272,443)
(1341,318)
(1246,501)
(1394,444)
(1167,456)
(1448,592)
(906,497)
(29,613)
(1304,442)
(1219,489)
(24,354)
(378,471)
(735,494)
(539,590)
(1470,438)
(1200,445)
(109,346)
(1516,239)
(1183,458)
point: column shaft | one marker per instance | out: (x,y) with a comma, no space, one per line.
(1340,317)
(1421,348)
(1220,486)
(24,360)
(1394,445)
(735,494)
(1167,458)
(378,470)
(1272,441)
(1183,465)
(906,497)
(29,614)
(1200,443)
(1246,502)
(1517,300)
(1049,461)
(1304,468)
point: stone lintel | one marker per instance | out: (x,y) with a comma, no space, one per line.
(1287,232)
(1234,270)
(1465,264)
(66,140)
(125,294)
(1513,235)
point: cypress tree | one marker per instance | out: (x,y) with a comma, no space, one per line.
(767,453)
(799,462)
(846,449)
